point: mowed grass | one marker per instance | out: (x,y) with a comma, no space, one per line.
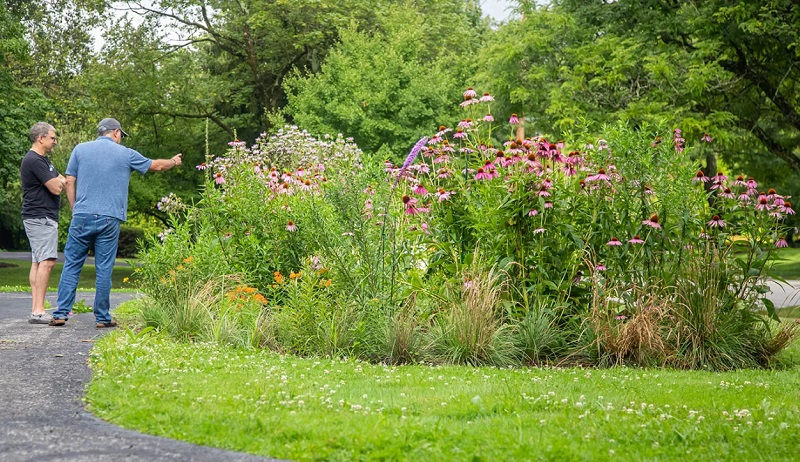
(787,264)
(324,409)
(15,274)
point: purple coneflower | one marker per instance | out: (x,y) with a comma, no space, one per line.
(716,222)
(751,183)
(548,205)
(470,93)
(291,227)
(700,176)
(488,118)
(739,181)
(636,240)
(532,213)
(763,204)
(719,177)
(410,204)
(459,134)
(441,159)
(538,231)
(614,242)
(466,123)
(781,243)
(419,190)
(652,222)
(787,208)
(443,173)
(600,267)
(486,98)
(482,174)
(706,137)
(727,193)
(202,166)
(514,120)
(368,204)
(443,195)
(218,178)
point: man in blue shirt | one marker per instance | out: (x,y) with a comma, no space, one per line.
(97,178)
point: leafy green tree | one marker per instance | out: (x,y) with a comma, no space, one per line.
(387,87)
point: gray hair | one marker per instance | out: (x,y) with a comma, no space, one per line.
(40,129)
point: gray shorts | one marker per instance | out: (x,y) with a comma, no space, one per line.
(43,236)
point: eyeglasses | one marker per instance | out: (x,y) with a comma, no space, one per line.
(50,137)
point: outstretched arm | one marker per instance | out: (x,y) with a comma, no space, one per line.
(162,165)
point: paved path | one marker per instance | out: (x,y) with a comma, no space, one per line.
(26,257)
(43,373)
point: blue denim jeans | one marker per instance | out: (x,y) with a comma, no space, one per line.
(87,231)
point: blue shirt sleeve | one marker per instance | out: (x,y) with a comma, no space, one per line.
(139,162)
(72,165)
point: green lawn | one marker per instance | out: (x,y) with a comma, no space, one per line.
(788,267)
(16,275)
(323,409)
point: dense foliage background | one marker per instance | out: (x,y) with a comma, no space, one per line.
(190,76)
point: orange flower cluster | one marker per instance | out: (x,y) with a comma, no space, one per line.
(246,293)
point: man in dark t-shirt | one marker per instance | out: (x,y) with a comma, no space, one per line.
(41,187)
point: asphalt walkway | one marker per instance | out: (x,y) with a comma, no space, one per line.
(43,375)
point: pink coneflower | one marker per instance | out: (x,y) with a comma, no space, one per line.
(538,231)
(446,147)
(368,204)
(648,191)
(548,205)
(716,222)
(468,101)
(727,193)
(781,243)
(719,177)
(704,235)
(744,197)
(739,181)
(488,118)
(787,208)
(532,213)
(443,173)
(218,179)
(600,267)
(306,185)
(443,195)
(652,222)
(291,227)
(470,93)
(482,174)
(700,176)
(569,170)
(620,317)
(514,120)
(486,98)
(543,192)
(419,190)
(411,205)
(599,176)
(284,188)
(459,134)
(763,204)
(424,227)
(772,194)
(751,183)
(466,123)
(369,191)
(636,240)
(614,242)
(441,159)
(202,166)
(706,137)
(465,150)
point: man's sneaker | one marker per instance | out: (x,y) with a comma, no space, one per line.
(57,322)
(43,318)
(103,325)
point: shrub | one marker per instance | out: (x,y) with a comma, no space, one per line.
(129,238)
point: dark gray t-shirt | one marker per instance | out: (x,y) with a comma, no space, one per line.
(37,200)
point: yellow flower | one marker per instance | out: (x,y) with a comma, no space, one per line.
(125,279)
(188,259)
